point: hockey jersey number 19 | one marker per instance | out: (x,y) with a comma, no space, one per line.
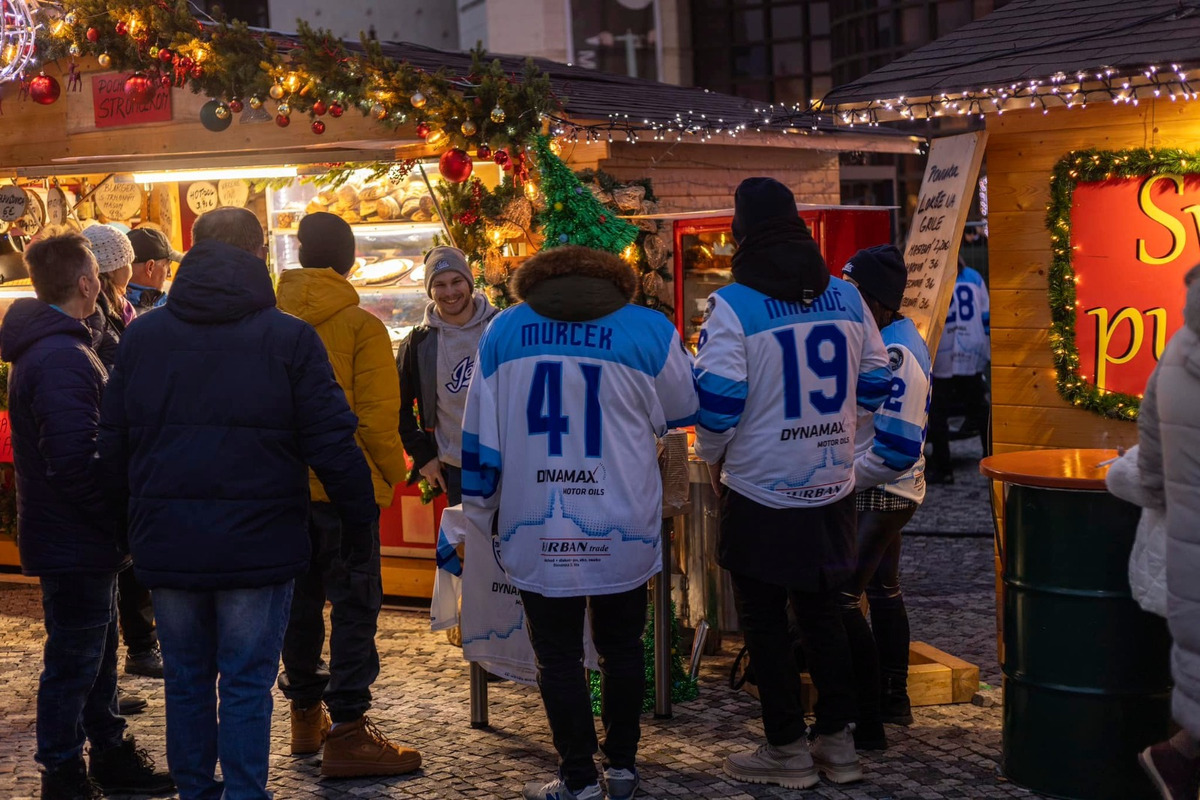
(779,383)
(559,441)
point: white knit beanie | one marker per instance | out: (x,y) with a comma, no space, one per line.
(110,246)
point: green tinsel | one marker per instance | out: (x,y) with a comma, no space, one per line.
(683,685)
(573,215)
(1085,166)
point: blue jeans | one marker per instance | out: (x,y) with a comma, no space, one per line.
(226,643)
(77,693)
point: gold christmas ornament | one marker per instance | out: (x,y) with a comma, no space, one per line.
(284,109)
(379,111)
(418,100)
(468,128)
(256,103)
(276,91)
(222,111)
(105,60)
(437,138)
(497,116)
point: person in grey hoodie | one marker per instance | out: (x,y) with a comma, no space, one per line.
(435,363)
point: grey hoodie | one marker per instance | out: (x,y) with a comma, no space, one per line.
(456,352)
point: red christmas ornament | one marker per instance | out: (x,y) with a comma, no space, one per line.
(455,165)
(139,88)
(484,152)
(122,28)
(185,63)
(282,121)
(422,129)
(501,158)
(93,35)
(603,218)
(318,127)
(235,106)
(165,80)
(336,110)
(165,55)
(44,90)
(319,108)
(196,71)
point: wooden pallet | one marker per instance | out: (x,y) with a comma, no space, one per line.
(934,678)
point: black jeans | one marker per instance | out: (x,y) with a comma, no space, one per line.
(77,693)
(453,477)
(135,613)
(356,596)
(763,612)
(881,647)
(556,632)
(968,392)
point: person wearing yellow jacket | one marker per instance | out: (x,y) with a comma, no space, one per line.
(361,353)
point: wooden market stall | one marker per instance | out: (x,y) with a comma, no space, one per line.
(1093,187)
(89,134)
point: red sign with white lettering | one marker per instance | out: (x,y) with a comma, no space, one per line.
(1132,241)
(112,108)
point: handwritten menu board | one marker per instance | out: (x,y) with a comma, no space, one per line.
(931,253)
(114,108)
(233,192)
(56,206)
(13,202)
(120,201)
(202,197)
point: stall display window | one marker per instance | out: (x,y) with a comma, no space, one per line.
(394,224)
(706,254)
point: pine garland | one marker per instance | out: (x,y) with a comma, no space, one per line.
(1085,166)
(226,60)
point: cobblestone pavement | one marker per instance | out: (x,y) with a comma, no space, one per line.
(961,508)
(421,700)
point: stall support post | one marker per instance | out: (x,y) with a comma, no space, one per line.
(662,626)
(479,696)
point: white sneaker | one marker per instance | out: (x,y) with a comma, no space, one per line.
(835,756)
(622,784)
(557,790)
(790,766)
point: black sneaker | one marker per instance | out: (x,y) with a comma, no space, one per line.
(129,703)
(127,769)
(147,663)
(70,782)
(870,736)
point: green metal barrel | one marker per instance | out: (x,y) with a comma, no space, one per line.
(1087,679)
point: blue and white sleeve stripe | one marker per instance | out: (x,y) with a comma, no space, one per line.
(481,467)
(722,401)
(873,387)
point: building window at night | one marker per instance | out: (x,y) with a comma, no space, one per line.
(771,50)
(252,12)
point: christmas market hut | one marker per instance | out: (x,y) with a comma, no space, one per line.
(137,112)
(1092,196)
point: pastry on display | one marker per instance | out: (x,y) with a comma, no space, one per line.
(386,271)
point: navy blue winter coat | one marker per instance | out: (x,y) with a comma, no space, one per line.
(64,523)
(214,411)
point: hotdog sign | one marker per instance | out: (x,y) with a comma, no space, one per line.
(1132,239)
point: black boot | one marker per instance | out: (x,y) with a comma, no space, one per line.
(127,769)
(70,781)
(894,706)
(869,736)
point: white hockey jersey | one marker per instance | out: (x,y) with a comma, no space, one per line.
(889,444)
(965,348)
(559,444)
(778,385)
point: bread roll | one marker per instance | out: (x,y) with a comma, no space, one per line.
(372,191)
(368,208)
(347,194)
(388,208)
(411,206)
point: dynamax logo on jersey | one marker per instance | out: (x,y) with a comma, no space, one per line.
(577,477)
(808,431)
(460,378)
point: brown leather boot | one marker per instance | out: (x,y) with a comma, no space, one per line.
(310,726)
(358,749)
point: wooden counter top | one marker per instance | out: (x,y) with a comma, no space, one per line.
(1050,469)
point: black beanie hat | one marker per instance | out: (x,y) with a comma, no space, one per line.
(758,200)
(326,241)
(879,272)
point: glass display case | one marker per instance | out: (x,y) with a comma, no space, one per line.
(394,224)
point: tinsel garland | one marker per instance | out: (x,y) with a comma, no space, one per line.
(1085,166)
(310,72)
(683,686)
(607,188)
(573,215)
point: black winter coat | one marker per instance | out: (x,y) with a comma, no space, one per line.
(214,411)
(64,523)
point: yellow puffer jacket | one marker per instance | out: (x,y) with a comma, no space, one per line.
(361,352)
